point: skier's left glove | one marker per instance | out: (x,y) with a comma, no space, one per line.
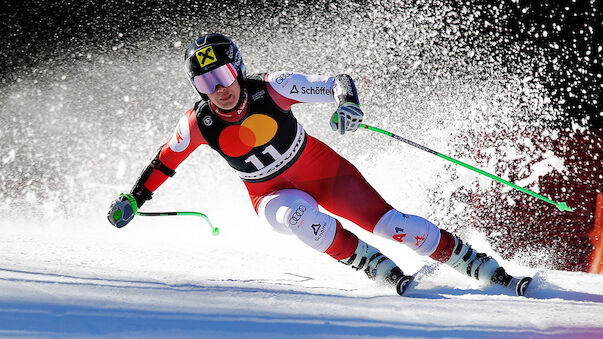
(347,118)
(122,210)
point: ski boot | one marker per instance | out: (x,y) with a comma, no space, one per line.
(378,267)
(484,268)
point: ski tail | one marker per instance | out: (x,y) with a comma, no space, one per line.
(403,283)
(522,285)
(517,285)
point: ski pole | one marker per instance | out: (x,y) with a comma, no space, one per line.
(562,206)
(117,214)
(214,230)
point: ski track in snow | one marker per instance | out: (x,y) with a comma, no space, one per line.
(80,281)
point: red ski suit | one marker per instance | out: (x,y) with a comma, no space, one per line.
(319,171)
(269,149)
(330,179)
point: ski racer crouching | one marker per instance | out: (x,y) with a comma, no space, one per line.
(248,120)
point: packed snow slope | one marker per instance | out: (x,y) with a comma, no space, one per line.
(77,128)
(171,278)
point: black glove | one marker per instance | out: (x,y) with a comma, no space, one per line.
(122,211)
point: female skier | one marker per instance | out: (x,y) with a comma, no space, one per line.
(288,173)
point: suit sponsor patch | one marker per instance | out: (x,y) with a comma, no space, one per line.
(182,136)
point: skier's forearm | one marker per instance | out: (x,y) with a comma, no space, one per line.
(155,174)
(300,88)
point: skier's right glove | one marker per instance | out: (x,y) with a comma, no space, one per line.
(122,210)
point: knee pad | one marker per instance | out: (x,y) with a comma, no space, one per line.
(294,211)
(417,233)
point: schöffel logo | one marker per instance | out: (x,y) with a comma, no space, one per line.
(316,90)
(296,217)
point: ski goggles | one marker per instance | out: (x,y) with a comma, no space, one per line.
(224,75)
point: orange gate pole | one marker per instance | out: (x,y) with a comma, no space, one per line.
(596,236)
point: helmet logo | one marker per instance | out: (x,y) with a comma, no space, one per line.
(206,56)
(230,52)
(237,59)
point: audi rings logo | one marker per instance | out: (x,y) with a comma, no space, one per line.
(296,217)
(282,77)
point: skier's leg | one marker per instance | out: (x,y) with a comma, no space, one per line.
(427,239)
(377,266)
(417,233)
(342,190)
(294,211)
(453,252)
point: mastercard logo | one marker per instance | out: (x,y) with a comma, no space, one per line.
(255,131)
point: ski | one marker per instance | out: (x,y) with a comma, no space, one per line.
(521,285)
(517,286)
(403,284)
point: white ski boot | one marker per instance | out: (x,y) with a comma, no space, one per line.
(484,268)
(377,266)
